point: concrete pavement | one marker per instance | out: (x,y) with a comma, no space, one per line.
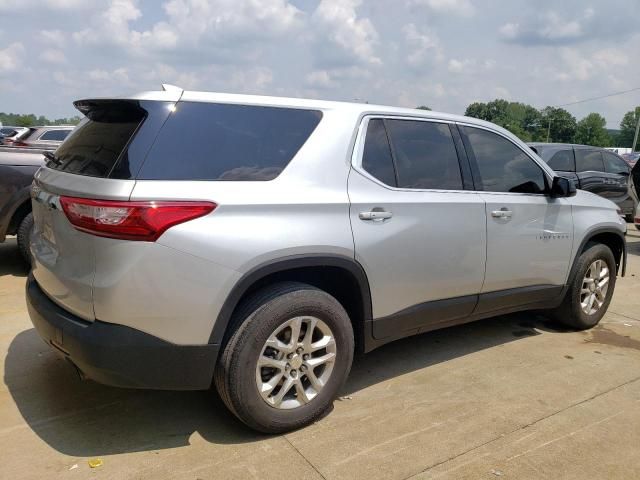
(510,397)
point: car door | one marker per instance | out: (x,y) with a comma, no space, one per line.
(617,178)
(590,171)
(529,234)
(418,233)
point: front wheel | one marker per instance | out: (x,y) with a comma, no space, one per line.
(590,292)
(289,355)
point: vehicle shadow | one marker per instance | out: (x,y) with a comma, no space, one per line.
(11,262)
(84,419)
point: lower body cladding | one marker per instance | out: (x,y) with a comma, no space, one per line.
(118,355)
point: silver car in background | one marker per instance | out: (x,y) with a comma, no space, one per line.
(47,138)
(183,238)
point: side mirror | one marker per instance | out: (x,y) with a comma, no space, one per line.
(562,187)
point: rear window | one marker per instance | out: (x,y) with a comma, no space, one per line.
(97,142)
(205,141)
(56,135)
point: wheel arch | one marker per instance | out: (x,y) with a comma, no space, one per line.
(614,239)
(21,211)
(341,277)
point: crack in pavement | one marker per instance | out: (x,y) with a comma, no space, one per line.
(626,316)
(305,458)
(501,436)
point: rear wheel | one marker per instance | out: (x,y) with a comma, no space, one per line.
(590,292)
(23,235)
(289,355)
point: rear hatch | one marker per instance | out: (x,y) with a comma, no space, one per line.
(98,160)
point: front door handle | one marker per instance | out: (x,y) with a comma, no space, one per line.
(502,213)
(374,215)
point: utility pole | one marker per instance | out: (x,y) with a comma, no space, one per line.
(635,137)
(549,129)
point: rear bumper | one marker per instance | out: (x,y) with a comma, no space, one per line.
(117,355)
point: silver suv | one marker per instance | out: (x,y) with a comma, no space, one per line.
(184,238)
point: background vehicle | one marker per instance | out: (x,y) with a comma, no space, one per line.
(295,233)
(631,158)
(13,134)
(17,167)
(44,137)
(593,169)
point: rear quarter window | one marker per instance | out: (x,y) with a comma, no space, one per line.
(562,160)
(100,138)
(208,141)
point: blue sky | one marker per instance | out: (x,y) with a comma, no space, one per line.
(441,53)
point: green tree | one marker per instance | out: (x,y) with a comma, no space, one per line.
(423,107)
(519,118)
(628,128)
(557,125)
(477,110)
(591,131)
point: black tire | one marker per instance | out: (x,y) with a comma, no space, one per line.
(255,320)
(638,226)
(629,217)
(23,235)
(570,312)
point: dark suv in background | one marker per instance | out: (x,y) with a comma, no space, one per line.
(593,169)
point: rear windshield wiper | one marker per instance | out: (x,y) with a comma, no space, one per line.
(52,157)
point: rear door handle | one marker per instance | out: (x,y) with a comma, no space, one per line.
(504,213)
(375,215)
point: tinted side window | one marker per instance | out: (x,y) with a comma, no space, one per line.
(562,160)
(588,160)
(502,166)
(425,155)
(376,157)
(57,135)
(613,164)
(207,141)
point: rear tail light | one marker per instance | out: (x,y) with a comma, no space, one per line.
(143,221)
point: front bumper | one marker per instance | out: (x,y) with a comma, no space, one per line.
(117,355)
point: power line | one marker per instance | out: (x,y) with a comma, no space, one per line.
(599,98)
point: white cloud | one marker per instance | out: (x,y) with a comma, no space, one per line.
(232,18)
(338,21)
(52,55)
(319,79)
(11,58)
(14,6)
(423,46)
(552,28)
(579,65)
(469,65)
(53,38)
(458,7)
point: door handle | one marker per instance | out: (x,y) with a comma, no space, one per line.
(375,215)
(502,213)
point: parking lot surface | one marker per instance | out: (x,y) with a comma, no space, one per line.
(512,397)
